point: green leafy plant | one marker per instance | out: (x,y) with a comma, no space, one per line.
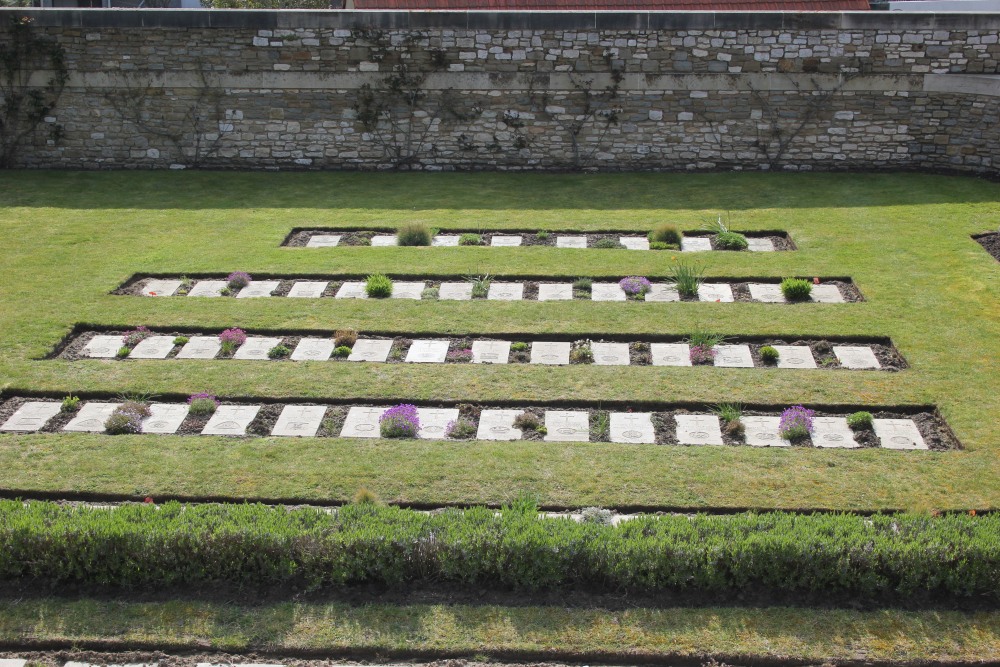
(70,404)
(602,425)
(768,354)
(731,241)
(430,293)
(341,352)
(796,289)
(480,285)
(581,353)
(608,244)
(470,239)
(666,233)
(278,352)
(181,340)
(660,245)
(202,404)
(414,234)
(123,352)
(860,420)
(730,414)
(519,346)
(529,421)
(378,286)
(542,236)
(583,285)
(686,277)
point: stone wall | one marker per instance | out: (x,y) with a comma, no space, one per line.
(480,90)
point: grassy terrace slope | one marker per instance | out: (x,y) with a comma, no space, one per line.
(70,238)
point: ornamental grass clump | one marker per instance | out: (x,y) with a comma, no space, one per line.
(635,286)
(470,239)
(202,404)
(686,277)
(731,416)
(796,289)
(238,280)
(232,339)
(730,241)
(345,337)
(413,234)
(769,354)
(399,421)
(135,336)
(378,286)
(702,347)
(796,423)
(480,285)
(666,234)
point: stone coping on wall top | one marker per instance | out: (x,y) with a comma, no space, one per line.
(510,20)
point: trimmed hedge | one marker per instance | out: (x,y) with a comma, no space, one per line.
(142,546)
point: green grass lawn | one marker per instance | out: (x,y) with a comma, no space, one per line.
(71,238)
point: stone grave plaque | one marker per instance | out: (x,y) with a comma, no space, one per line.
(160,287)
(567,426)
(766,293)
(607,292)
(610,354)
(200,347)
(571,241)
(323,240)
(352,290)
(550,353)
(299,420)
(632,427)
(231,420)
(898,434)
(634,242)
(833,432)
(856,356)
(91,417)
(154,347)
(165,417)
(733,356)
(255,348)
(670,354)
(258,289)
(362,422)
(408,290)
(208,288)
(445,240)
(490,351)
(307,289)
(660,292)
(428,352)
(555,292)
(505,291)
(757,244)
(12,662)
(455,292)
(313,349)
(715,292)
(763,432)
(498,425)
(31,416)
(102,347)
(695,243)
(434,421)
(384,240)
(795,356)
(370,349)
(505,241)
(698,430)
(826,294)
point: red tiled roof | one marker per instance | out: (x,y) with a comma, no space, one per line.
(621,5)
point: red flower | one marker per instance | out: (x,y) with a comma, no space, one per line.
(972,512)
(816,281)
(149,499)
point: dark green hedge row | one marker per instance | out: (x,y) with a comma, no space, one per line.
(905,557)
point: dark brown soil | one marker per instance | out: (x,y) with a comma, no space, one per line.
(991,242)
(265,420)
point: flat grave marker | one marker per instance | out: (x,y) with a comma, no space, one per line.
(670,354)
(434,421)
(445,240)
(766,293)
(31,416)
(362,422)
(498,425)
(695,243)
(733,356)
(370,349)
(553,353)
(208,288)
(502,241)
(634,242)
(299,420)
(154,347)
(313,349)
(660,293)
(323,241)
(91,417)
(571,241)
(722,292)
(428,352)
(455,291)
(505,291)
(833,432)
(258,289)
(352,290)
(567,426)
(490,351)
(160,287)
(763,432)
(856,356)
(384,240)
(200,347)
(607,292)
(610,354)
(826,294)
(632,427)
(758,244)
(408,290)
(555,292)
(307,289)
(698,430)
(103,347)
(255,348)
(165,418)
(231,420)
(898,434)
(795,356)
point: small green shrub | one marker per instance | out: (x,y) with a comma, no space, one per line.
(608,244)
(542,236)
(123,352)
(70,404)
(686,277)
(202,405)
(345,337)
(528,421)
(181,340)
(666,234)
(519,346)
(413,234)
(582,353)
(341,352)
(378,286)
(660,245)
(583,284)
(768,354)
(730,241)
(430,293)
(228,348)
(470,239)
(480,285)
(596,515)
(461,429)
(278,352)
(860,420)
(796,289)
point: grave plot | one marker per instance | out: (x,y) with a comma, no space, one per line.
(724,425)
(349,345)
(990,242)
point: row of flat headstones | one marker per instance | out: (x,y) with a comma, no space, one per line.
(498,291)
(496,424)
(18,662)
(483,352)
(688,243)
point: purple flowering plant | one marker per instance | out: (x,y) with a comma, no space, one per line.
(635,285)
(399,421)
(796,422)
(702,354)
(238,279)
(136,336)
(234,336)
(460,356)
(202,404)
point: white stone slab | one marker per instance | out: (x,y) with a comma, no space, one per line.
(160,287)
(607,292)
(763,432)
(434,421)
(102,347)
(826,294)
(716,292)
(313,349)
(610,354)
(698,430)
(427,352)
(231,420)
(352,290)
(505,291)
(660,292)
(757,244)
(455,291)
(856,356)
(555,292)
(632,427)
(384,240)
(299,420)
(165,417)
(766,292)
(501,241)
(795,356)
(370,349)
(571,241)
(154,347)
(567,426)
(670,354)
(898,434)
(408,290)
(695,243)
(200,347)
(30,417)
(634,242)
(208,288)
(550,353)
(362,422)
(490,351)
(733,356)
(445,240)
(498,425)
(12,662)
(307,289)
(258,289)
(91,417)
(255,348)
(323,240)
(833,432)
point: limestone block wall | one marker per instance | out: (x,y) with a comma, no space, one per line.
(522,90)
